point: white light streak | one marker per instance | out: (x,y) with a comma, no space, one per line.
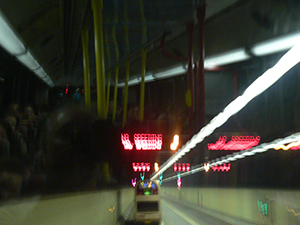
(235,156)
(290,59)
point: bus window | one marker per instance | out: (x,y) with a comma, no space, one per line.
(147,206)
(147,188)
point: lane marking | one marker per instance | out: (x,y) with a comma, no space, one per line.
(193,222)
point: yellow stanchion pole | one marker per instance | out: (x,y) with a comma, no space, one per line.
(97,6)
(108,76)
(86,67)
(142,93)
(107,94)
(115,93)
(116,69)
(126,92)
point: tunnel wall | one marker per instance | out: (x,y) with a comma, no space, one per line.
(260,206)
(101,207)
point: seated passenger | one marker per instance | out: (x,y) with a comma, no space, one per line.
(11,169)
(18,144)
(14,109)
(29,114)
(28,127)
(5,136)
(77,144)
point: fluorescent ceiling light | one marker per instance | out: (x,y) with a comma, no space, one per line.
(50,83)
(121,84)
(260,49)
(236,156)
(170,72)
(133,81)
(28,61)
(138,80)
(276,44)
(8,39)
(149,78)
(46,78)
(40,72)
(234,56)
(290,59)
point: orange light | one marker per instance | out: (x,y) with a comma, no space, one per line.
(291,210)
(175,143)
(206,167)
(289,146)
(156,167)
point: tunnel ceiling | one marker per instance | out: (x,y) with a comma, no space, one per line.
(50,29)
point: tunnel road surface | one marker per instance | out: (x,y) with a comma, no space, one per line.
(174,213)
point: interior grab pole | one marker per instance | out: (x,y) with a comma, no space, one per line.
(86,66)
(97,6)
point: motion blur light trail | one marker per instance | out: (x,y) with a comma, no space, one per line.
(292,146)
(239,155)
(236,143)
(287,61)
(293,211)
